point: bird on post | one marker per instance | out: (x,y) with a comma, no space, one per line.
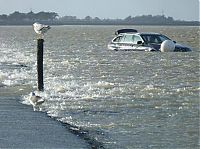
(40,29)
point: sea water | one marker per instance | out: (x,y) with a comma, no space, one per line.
(120,99)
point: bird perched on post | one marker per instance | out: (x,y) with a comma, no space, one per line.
(40,29)
(35,100)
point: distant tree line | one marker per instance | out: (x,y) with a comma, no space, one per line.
(18,18)
(53,18)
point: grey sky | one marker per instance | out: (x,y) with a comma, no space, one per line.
(179,9)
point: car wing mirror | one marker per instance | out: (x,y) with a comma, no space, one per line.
(139,42)
(174,41)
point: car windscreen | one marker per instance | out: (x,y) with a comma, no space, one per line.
(153,38)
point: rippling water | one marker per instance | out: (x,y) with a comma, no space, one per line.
(121,99)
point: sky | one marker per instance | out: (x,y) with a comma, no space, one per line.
(114,9)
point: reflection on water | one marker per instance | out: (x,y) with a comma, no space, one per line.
(122,99)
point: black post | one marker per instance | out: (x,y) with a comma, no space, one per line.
(40,64)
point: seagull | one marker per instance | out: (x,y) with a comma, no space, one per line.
(35,100)
(40,29)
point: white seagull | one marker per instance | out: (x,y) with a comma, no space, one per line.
(40,29)
(35,100)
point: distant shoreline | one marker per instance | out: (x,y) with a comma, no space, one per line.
(99,23)
(53,18)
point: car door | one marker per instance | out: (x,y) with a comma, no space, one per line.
(130,41)
(126,42)
(137,43)
(115,44)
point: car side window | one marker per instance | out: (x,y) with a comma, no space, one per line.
(154,39)
(118,39)
(127,39)
(136,39)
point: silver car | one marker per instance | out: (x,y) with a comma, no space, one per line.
(131,40)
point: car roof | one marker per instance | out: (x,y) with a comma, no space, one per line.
(127,30)
(142,33)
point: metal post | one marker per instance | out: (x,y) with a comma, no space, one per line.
(40,64)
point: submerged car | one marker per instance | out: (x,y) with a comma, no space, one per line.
(130,39)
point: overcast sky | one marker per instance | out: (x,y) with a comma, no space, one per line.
(178,9)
